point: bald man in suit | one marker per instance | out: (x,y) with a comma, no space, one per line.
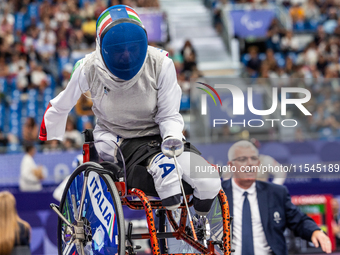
(263,210)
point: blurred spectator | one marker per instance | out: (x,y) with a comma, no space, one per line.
(30,131)
(332,21)
(7,16)
(70,145)
(189,63)
(336,220)
(15,231)
(279,78)
(298,16)
(31,175)
(4,68)
(66,75)
(6,28)
(176,57)
(311,55)
(217,8)
(52,146)
(73,134)
(89,30)
(320,35)
(268,162)
(100,6)
(84,104)
(187,51)
(322,64)
(63,34)
(264,71)
(39,78)
(88,10)
(289,43)
(16,64)
(254,63)
(3,139)
(87,125)
(274,34)
(312,14)
(61,13)
(31,55)
(58,192)
(270,60)
(46,45)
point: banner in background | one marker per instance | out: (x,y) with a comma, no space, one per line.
(154,25)
(57,165)
(253,23)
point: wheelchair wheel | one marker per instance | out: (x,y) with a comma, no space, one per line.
(102,218)
(214,230)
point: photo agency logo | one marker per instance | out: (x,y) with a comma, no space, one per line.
(289,96)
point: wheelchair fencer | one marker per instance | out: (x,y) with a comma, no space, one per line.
(91,219)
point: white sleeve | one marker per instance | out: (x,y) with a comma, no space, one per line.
(168,118)
(54,120)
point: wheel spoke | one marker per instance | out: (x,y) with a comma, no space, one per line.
(83,193)
(74,204)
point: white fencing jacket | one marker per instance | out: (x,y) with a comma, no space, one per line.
(148,104)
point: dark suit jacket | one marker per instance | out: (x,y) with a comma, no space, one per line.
(274,199)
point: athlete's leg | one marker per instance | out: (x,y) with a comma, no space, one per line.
(206,185)
(166,180)
(104,143)
(203,178)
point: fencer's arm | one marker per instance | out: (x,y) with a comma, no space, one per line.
(168,118)
(54,120)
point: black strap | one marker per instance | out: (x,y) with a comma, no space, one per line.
(88,135)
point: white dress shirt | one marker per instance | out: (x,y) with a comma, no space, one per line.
(261,246)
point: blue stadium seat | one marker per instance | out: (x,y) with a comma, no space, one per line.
(33,11)
(82,120)
(48,94)
(292,56)
(245,58)
(311,25)
(299,26)
(2,116)
(262,56)
(32,103)
(185,102)
(326,134)
(52,81)
(19,21)
(13,148)
(15,113)
(3,85)
(61,62)
(11,85)
(280,59)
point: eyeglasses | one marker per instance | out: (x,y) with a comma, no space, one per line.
(243,160)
